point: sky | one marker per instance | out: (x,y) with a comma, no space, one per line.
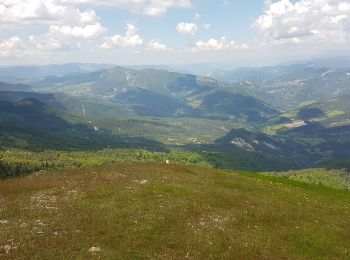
(130,32)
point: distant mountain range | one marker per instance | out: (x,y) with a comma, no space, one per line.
(153,92)
(17,74)
(286,116)
(289,86)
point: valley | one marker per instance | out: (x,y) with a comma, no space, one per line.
(158,110)
(144,152)
(175,129)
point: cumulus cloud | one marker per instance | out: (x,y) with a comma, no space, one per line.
(50,43)
(11,43)
(187,28)
(70,22)
(13,46)
(87,32)
(219,44)
(29,12)
(156,45)
(65,37)
(45,43)
(130,39)
(306,21)
(160,7)
(64,21)
(147,7)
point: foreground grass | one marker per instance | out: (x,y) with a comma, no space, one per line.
(337,179)
(152,210)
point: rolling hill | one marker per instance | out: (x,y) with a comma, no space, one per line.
(170,110)
(289,86)
(153,210)
(33,125)
(153,92)
(13,87)
(124,163)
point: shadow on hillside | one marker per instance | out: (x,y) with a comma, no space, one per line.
(310,113)
(32,125)
(70,140)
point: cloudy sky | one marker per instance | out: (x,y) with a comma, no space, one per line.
(239,32)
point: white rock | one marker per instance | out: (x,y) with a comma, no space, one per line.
(7,248)
(94,249)
(142,182)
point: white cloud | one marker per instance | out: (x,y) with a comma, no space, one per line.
(147,7)
(306,21)
(11,43)
(69,23)
(187,28)
(161,6)
(45,43)
(49,43)
(206,26)
(130,39)
(197,16)
(87,32)
(29,12)
(156,45)
(64,21)
(219,44)
(12,47)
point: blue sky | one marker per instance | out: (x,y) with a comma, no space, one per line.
(236,32)
(232,19)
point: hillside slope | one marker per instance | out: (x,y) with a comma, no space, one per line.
(161,93)
(170,211)
(290,85)
(33,125)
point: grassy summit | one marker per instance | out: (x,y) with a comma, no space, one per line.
(152,210)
